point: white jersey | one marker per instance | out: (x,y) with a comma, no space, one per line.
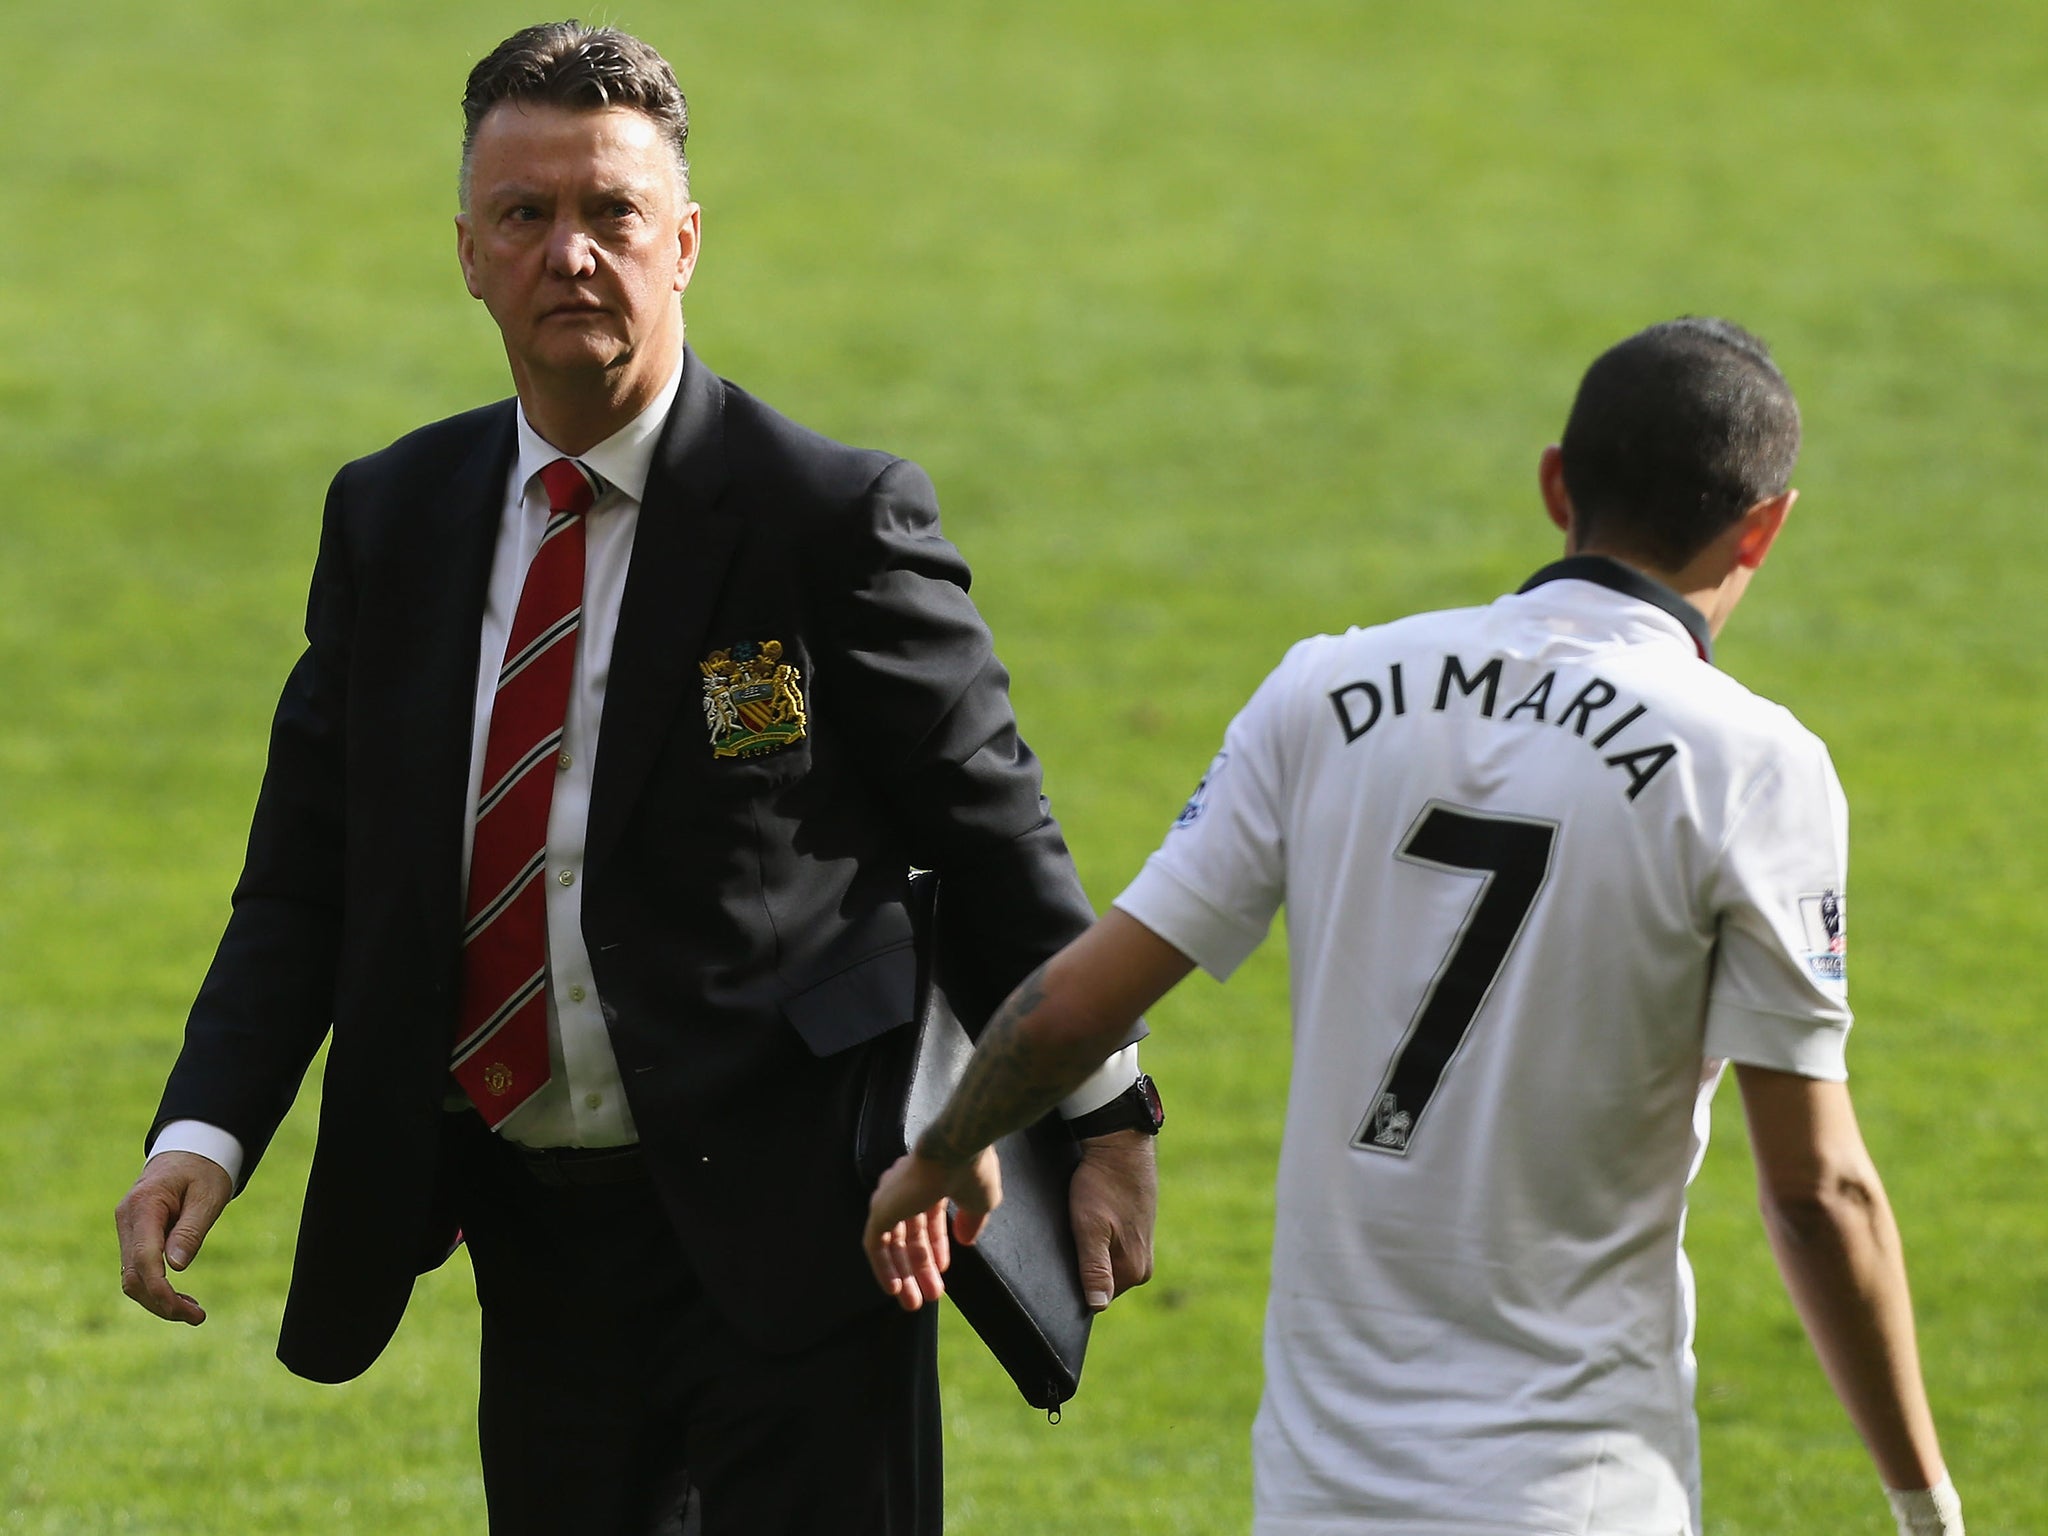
(1545,868)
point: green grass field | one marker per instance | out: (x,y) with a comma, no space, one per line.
(1216,325)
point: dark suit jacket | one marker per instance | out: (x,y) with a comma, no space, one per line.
(744,916)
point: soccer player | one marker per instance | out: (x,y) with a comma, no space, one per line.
(1546,871)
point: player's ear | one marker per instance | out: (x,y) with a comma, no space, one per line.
(1557,501)
(1761,525)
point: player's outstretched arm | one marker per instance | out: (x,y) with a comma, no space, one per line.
(1063,1021)
(1837,1246)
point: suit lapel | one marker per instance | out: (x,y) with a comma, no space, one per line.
(687,532)
(450,547)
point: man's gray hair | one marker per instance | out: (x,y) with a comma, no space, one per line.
(566,64)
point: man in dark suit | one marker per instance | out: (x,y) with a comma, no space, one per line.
(625,710)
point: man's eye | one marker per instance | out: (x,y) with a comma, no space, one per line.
(525,213)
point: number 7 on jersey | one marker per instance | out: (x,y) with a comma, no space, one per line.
(1511,857)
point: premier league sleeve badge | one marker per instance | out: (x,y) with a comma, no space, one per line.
(753,701)
(1825,917)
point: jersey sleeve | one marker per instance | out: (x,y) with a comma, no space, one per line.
(1780,991)
(1213,886)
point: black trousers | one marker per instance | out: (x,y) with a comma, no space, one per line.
(616,1401)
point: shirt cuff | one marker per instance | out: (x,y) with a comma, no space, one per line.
(208,1141)
(1103,1084)
(1804,1047)
(1216,940)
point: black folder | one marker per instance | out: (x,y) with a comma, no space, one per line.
(1019,1286)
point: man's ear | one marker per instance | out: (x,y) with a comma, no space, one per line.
(465,253)
(1557,501)
(1760,527)
(689,241)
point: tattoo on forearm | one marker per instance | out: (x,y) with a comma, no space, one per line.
(1013,1078)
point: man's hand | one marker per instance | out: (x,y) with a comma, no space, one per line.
(1112,1203)
(906,1237)
(164,1219)
(1058,1025)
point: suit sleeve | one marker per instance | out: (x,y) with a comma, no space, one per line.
(929,706)
(267,999)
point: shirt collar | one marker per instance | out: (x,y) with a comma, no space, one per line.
(623,460)
(1605,571)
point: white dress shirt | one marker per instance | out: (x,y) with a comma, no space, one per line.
(583,1103)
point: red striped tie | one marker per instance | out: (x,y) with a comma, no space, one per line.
(501,1046)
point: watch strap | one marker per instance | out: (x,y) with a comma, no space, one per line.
(1137,1108)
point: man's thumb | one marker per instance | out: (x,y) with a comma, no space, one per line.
(967,1224)
(195,1220)
(1098,1283)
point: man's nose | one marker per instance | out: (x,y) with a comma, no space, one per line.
(571,251)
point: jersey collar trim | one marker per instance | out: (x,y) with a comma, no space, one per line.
(1605,571)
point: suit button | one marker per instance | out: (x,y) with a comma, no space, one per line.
(575,994)
(567,877)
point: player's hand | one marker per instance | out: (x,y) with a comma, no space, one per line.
(907,1243)
(163,1220)
(1112,1203)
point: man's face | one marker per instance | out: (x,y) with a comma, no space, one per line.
(578,238)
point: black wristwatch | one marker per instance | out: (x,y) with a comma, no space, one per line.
(1137,1108)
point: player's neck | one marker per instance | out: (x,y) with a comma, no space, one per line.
(1710,582)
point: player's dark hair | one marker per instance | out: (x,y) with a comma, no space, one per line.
(1676,432)
(566,64)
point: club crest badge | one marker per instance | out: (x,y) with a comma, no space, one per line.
(752,701)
